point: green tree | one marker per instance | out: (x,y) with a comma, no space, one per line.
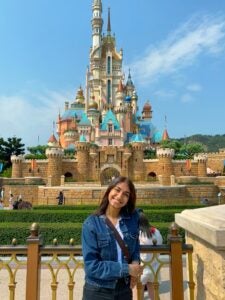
(172,144)
(184,150)
(9,147)
(37,151)
(192,148)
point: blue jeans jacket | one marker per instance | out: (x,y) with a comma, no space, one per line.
(100,253)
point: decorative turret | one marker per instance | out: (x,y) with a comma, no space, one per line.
(80,96)
(147,111)
(52,142)
(129,85)
(202,168)
(54,170)
(134,99)
(17,161)
(165,156)
(97,23)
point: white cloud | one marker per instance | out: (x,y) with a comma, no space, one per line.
(195,37)
(194,87)
(28,119)
(165,94)
(186,98)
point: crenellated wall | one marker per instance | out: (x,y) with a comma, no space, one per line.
(91,164)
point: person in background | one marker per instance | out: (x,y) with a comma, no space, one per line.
(2,193)
(11,200)
(108,274)
(1,204)
(148,235)
(61,198)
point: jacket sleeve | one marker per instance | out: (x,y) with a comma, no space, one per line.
(94,266)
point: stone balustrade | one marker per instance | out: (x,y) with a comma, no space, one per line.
(205,230)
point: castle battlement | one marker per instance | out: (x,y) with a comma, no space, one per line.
(17,158)
(54,152)
(165,152)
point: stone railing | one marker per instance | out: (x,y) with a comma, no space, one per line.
(205,230)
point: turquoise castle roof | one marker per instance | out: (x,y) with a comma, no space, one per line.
(84,120)
(137,138)
(110,117)
(72,113)
(82,139)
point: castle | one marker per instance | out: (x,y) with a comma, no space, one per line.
(103,129)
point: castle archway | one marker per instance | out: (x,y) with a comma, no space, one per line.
(108,172)
(151,176)
(68,176)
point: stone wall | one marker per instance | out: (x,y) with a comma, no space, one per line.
(28,193)
(92,194)
(207,264)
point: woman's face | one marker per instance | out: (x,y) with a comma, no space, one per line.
(119,195)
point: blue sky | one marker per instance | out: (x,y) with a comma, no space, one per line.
(175,50)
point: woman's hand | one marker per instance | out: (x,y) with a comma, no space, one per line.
(135,269)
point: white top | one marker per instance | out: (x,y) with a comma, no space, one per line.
(119,250)
(148,275)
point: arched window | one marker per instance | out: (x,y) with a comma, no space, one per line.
(108,91)
(108,65)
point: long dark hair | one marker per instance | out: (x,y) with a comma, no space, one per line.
(144,225)
(129,208)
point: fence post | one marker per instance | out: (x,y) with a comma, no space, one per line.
(176,266)
(33,264)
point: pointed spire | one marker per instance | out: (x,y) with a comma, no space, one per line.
(109,23)
(120,86)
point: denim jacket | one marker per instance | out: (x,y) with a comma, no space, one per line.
(100,252)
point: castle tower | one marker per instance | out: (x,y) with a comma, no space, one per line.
(82,158)
(202,169)
(17,166)
(134,100)
(97,23)
(137,159)
(147,111)
(165,164)
(138,145)
(54,169)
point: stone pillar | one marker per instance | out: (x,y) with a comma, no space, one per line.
(205,230)
(137,159)
(83,161)
(62,181)
(125,161)
(54,170)
(202,168)
(17,170)
(94,162)
(165,156)
(172,180)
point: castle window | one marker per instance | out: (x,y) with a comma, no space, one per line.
(110,159)
(110,142)
(108,65)
(108,90)
(110,128)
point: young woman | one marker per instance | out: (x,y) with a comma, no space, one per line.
(108,274)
